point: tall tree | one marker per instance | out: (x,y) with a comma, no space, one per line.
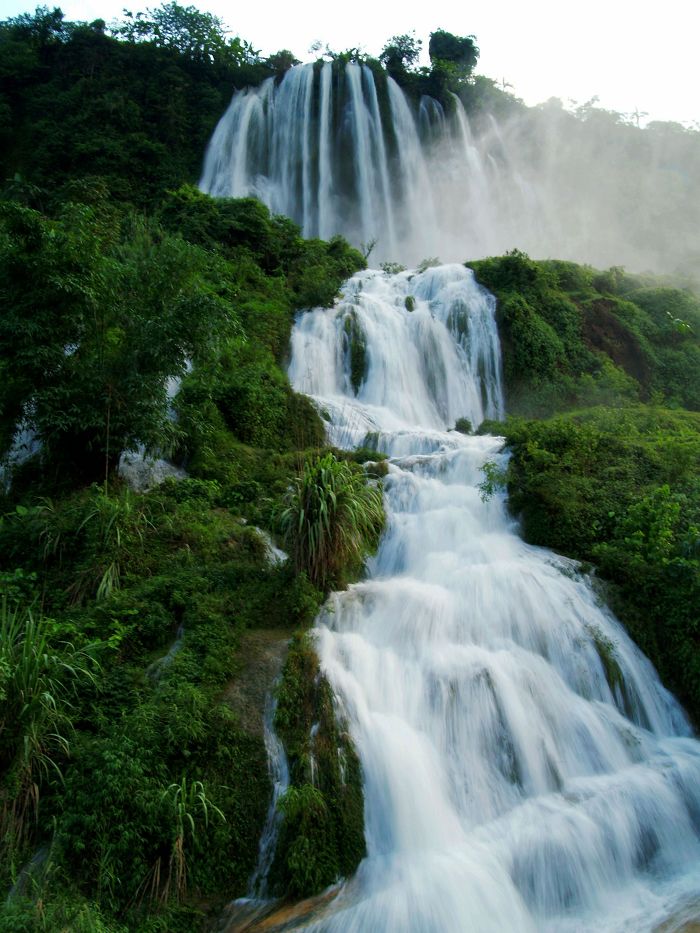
(457,54)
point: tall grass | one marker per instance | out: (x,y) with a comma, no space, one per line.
(186,807)
(332,518)
(98,533)
(38,681)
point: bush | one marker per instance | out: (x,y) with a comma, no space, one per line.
(332,519)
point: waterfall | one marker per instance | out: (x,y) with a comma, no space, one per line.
(338,151)
(524,768)
(344,151)
(341,149)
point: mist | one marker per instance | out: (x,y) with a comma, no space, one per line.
(586,187)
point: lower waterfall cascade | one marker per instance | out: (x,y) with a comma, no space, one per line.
(524,769)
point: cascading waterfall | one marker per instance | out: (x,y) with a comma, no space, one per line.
(524,769)
(342,149)
(279,775)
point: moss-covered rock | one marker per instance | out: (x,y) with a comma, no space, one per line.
(356,349)
(322,834)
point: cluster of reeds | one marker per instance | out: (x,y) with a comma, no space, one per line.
(332,518)
(39,679)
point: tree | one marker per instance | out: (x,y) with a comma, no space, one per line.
(400,53)
(281,61)
(99,311)
(456,54)
(42,27)
(195,34)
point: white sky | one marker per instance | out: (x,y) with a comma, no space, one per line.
(633,54)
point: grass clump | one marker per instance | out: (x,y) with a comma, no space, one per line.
(331,520)
(39,678)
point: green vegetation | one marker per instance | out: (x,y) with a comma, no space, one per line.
(187,805)
(611,364)
(134,103)
(575,337)
(155,713)
(619,488)
(143,777)
(39,676)
(400,54)
(101,308)
(452,62)
(453,58)
(322,837)
(332,519)
(105,305)
(136,627)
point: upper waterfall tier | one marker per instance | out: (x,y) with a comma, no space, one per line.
(342,151)
(322,149)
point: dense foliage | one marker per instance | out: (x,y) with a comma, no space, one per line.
(130,612)
(135,108)
(100,310)
(621,488)
(160,589)
(572,336)
(105,306)
(140,630)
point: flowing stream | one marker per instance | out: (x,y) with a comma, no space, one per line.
(524,768)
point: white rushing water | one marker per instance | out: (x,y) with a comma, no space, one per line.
(341,152)
(342,149)
(524,768)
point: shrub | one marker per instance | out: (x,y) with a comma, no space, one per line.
(331,520)
(38,680)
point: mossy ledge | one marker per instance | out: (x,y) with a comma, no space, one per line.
(322,835)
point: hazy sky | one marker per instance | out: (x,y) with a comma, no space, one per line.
(633,54)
